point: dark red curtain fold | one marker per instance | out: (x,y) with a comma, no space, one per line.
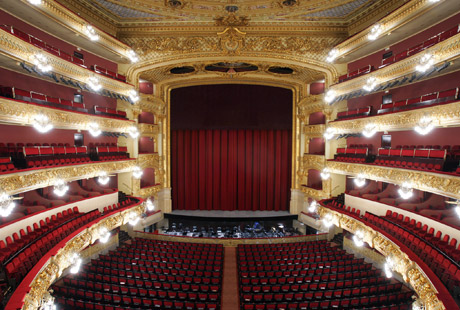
(231,169)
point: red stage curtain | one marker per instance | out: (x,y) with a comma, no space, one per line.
(231,169)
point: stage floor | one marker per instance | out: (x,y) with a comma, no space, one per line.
(230,214)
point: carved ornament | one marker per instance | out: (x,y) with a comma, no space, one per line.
(314,130)
(313,161)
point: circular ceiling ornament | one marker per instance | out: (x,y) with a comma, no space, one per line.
(174,4)
(289,2)
(281,70)
(182,70)
(231,67)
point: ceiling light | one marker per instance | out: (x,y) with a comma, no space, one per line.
(150,205)
(76,263)
(369,130)
(42,123)
(133,132)
(133,219)
(325,174)
(425,63)
(91,33)
(132,56)
(434,1)
(329,133)
(313,206)
(94,129)
(94,84)
(41,62)
(327,220)
(405,191)
(371,82)
(133,95)
(358,238)
(330,96)
(104,235)
(333,53)
(35,2)
(137,172)
(6,204)
(424,126)
(60,188)
(360,180)
(457,209)
(376,30)
(103,178)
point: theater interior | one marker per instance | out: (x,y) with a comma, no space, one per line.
(230,154)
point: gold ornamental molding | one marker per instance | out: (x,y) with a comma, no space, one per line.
(313,161)
(14,112)
(68,19)
(55,266)
(315,193)
(19,50)
(441,184)
(441,115)
(411,272)
(391,22)
(314,131)
(309,105)
(152,104)
(33,179)
(148,191)
(447,50)
(149,161)
(149,129)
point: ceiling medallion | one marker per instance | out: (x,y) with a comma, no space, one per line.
(174,4)
(290,2)
(231,40)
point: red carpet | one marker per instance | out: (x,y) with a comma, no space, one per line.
(230,299)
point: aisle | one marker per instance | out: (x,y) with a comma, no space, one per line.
(230,299)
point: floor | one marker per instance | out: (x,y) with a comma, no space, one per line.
(227,214)
(230,296)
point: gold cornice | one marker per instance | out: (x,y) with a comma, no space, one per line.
(70,20)
(314,131)
(442,184)
(152,104)
(313,161)
(411,272)
(56,264)
(315,193)
(148,129)
(33,179)
(17,49)
(442,115)
(15,112)
(447,50)
(391,22)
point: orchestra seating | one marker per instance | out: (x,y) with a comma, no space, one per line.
(21,252)
(147,274)
(61,54)
(313,275)
(59,103)
(404,54)
(355,113)
(439,252)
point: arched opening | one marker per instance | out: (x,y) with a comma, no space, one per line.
(314,179)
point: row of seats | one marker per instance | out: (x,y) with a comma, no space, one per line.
(354,113)
(105,153)
(131,275)
(444,267)
(355,303)
(57,52)
(46,156)
(54,102)
(362,286)
(19,266)
(404,54)
(6,165)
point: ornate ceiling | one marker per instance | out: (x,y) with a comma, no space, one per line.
(285,33)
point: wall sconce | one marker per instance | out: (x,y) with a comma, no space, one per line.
(327,220)
(133,95)
(424,126)
(329,133)
(132,56)
(369,130)
(359,180)
(389,267)
(35,2)
(425,63)
(94,84)
(91,33)
(103,178)
(149,205)
(418,304)
(60,188)
(313,206)
(133,132)
(330,96)
(325,174)
(76,263)
(375,32)
(358,238)
(94,129)
(6,204)
(104,235)
(42,123)
(333,53)
(133,219)
(371,82)
(405,191)
(47,302)
(41,62)
(137,172)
